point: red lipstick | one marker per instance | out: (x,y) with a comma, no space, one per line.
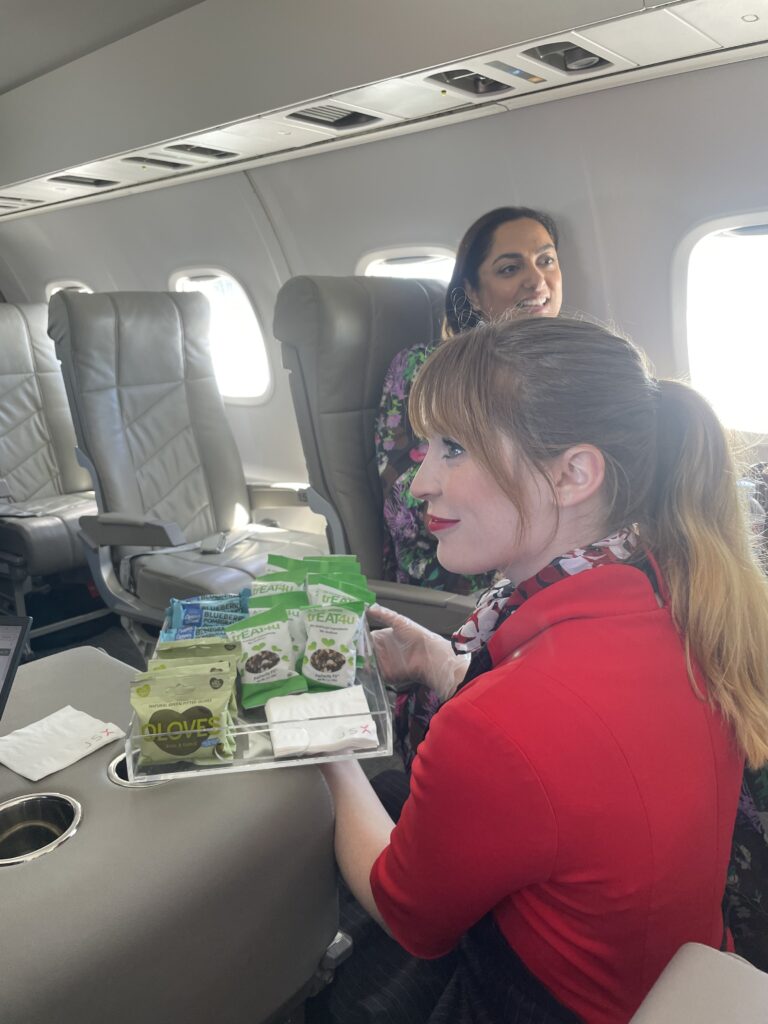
(435,523)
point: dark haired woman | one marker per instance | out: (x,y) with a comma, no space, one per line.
(506,265)
(571,808)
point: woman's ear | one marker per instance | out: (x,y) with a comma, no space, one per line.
(471,295)
(577,475)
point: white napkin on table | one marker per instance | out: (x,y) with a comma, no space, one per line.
(55,742)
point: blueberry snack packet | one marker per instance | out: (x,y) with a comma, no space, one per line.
(331,650)
(267,660)
(183,715)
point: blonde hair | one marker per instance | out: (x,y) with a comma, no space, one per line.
(548,384)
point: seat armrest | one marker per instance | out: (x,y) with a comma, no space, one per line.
(264,495)
(438,610)
(111,529)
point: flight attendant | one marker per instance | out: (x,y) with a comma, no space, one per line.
(571,808)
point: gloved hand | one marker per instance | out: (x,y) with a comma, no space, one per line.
(408,653)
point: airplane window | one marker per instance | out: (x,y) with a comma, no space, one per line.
(237,343)
(409,262)
(727,354)
(65,286)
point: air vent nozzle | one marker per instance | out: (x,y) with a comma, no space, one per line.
(79,179)
(330,116)
(205,151)
(469,81)
(153,161)
(566,57)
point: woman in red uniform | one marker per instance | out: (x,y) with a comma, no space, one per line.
(571,808)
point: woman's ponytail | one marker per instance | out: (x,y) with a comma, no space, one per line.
(696,527)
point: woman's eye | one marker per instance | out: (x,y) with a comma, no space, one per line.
(547,261)
(509,269)
(451,449)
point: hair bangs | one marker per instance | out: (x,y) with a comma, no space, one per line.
(449,395)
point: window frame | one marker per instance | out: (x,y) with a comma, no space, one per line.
(395,251)
(52,287)
(680,263)
(220,271)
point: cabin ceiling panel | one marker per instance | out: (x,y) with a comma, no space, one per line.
(222,61)
(38,36)
(265,55)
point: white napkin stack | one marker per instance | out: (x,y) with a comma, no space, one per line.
(339,720)
(55,742)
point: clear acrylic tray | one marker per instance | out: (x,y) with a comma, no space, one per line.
(252,737)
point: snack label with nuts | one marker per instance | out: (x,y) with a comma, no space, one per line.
(331,650)
(267,649)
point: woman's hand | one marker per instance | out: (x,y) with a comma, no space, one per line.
(408,653)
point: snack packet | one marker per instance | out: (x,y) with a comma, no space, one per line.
(330,656)
(183,715)
(210,648)
(325,589)
(281,563)
(267,657)
(211,610)
(278,582)
(292,604)
(332,563)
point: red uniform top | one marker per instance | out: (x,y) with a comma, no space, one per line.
(580,791)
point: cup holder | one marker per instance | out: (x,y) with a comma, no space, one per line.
(117,772)
(36,824)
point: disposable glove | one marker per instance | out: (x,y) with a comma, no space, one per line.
(408,653)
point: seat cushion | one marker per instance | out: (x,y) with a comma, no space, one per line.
(44,531)
(157,578)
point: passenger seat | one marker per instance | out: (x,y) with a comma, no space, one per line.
(175,515)
(43,491)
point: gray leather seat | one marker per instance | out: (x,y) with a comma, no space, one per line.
(339,335)
(44,491)
(151,424)
(705,986)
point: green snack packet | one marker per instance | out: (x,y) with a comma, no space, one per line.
(324,589)
(258,696)
(331,563)
(208,648)
(183,717)
(267,656)
(282,563)
(292,604)
(330,656)
(278,582)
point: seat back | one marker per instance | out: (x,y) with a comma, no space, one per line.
(338,336)
(37,439)
(146,406)
(702,984)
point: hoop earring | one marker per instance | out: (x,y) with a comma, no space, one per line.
(465,313)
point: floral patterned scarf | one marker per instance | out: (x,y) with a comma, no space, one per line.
(504,598)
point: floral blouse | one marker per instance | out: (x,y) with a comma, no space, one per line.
(410,551)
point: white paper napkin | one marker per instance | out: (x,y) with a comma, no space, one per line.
(55,742)
(321,723)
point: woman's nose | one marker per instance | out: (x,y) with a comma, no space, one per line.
(422,485)
(534,276)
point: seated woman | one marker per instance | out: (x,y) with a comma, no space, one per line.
(506,266)
(571,807)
